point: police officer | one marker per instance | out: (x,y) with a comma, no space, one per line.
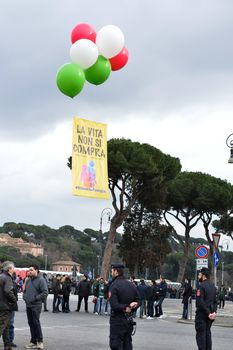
(124,300)
(206,307)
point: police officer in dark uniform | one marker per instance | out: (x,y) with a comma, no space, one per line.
(124,300)
(206,308)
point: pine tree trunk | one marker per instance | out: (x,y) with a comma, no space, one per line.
(184,259)
(108,251)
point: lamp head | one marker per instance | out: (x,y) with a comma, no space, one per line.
(231,156)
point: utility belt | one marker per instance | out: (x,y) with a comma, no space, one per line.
(129,319)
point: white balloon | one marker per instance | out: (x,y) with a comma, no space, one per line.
(110,41)
(84,52)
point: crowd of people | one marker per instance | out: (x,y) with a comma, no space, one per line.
(35,289)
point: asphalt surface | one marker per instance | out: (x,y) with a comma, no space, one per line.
(84,331)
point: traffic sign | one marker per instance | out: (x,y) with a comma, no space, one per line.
(202,252)
(216,258)
(200,263)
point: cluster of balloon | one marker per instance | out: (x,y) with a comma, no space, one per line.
(93,57)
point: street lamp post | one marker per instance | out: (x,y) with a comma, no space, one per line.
(105,212)
(229,142)
(216,237)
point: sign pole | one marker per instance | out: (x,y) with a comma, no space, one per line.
(216,237)
(215,276)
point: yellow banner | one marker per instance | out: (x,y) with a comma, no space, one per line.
(89,159)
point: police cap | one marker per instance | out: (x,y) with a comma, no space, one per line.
(117,266)
(205,271)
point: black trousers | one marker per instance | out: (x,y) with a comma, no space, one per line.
(120,334)
(221,303)
(33,315)
(203,333)
(65,303)
(4,326)
(150,308)
(80,298)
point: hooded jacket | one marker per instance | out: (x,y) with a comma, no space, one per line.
(35,291)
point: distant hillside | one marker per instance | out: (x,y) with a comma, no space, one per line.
(63,243)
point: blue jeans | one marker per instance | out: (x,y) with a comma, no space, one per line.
(158,307)
(101,305)
(142,307)
(11,327)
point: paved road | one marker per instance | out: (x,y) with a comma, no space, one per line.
(83,331)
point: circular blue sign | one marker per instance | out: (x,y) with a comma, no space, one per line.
(202,252)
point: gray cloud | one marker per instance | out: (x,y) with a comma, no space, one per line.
(180,54)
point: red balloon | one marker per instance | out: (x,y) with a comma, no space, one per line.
(120,60)
(83,31)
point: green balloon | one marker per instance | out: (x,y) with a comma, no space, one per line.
(99,72)
(70,79)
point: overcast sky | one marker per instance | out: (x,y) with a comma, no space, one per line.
(176,93)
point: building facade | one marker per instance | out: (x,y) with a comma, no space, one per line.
(65,266)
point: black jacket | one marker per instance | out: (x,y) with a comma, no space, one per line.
(8,301)
(162,289)
(206,301)
(152,292)
(84,288)
(56,286)
(66,288)
(187,293)
(121,293)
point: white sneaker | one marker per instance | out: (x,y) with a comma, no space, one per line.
(162,316)
(30,346)
(149,318)
(40,345)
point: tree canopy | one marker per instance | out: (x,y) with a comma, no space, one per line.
(135,170)
(194,196)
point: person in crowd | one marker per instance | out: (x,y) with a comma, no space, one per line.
(100,294)
(222,296)
(66,289)
(94,292)
(206,308)
(20,284)
(186,297)
(151,298)
(142,290)
(35,291)
(124,299)
(57,292)
(8,301)
(132,279)
(107,310)
(45,299)
(162,291)
(73,285)
(12,316)
(83,291)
